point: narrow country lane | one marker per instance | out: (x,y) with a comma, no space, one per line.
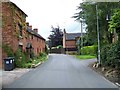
(62,71)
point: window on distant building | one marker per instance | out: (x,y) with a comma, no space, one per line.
(20,29)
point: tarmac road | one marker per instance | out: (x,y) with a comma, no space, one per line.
(62,71)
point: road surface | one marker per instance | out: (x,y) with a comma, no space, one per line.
(62,71)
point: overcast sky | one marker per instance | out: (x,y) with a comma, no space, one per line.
(44,13)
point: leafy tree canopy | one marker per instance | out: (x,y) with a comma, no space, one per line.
(115,21)
(87,11)
(55,39)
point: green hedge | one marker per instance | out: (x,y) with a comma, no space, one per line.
(22,61)
(110,55)
(104,54)
(89,50)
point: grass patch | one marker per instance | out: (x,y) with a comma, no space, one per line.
(85,56)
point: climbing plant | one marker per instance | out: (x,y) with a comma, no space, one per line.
(8,50)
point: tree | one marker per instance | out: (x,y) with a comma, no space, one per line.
(55,39)
(115,23)
(87,11)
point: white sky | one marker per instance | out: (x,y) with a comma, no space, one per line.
(44,13)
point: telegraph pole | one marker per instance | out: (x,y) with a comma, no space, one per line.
(98,34)
(81,38)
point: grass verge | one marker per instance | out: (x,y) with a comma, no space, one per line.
(85,57)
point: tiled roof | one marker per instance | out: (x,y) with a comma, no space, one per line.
(72,36)
(34,33)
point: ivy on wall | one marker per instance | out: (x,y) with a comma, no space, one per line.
(8,50)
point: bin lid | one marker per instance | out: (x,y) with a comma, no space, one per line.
(7,58)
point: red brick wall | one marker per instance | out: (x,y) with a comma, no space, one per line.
(70,44)
(37,43)
(11,16)
(6,26)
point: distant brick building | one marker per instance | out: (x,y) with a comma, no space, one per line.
(70,41)
(16,33)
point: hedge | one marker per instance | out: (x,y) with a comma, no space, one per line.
(110,55)
(89,50)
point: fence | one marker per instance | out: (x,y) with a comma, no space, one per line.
(58,50)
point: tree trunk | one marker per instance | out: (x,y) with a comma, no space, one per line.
(118,32)
(119,37)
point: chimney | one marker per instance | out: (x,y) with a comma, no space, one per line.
(30,27)
(64,31)
(35,30)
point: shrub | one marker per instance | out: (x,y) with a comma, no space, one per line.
(42,54)
(110,55)
(20,58)
(27,65)
(114,55)
(89,50)
(59,46)
(104,54)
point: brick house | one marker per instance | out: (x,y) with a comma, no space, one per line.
(70,41)
(13,26)
(16,33)
(35,42)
